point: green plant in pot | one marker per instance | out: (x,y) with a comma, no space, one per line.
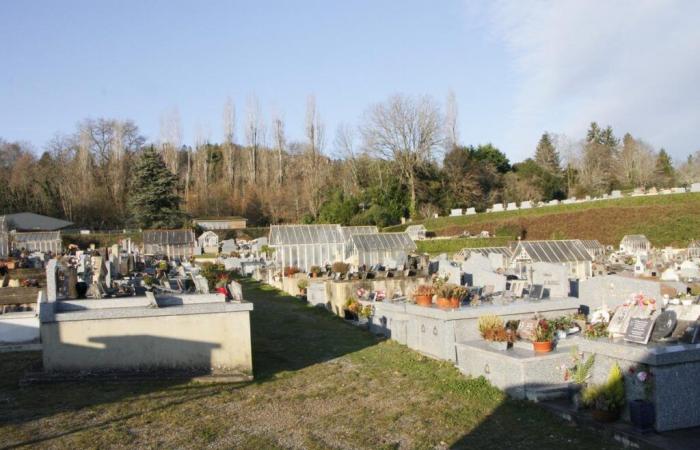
(544,336)
(340,268)
(494,331)
(302,285)
(445,293)
(352,308)
(578,375)
(607,400)
(315,271)
(423,295)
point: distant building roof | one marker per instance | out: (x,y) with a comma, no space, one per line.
(383,242)
(639,238)
(593,245)
(305,234)
(221,218)
(169,237)
(27,221)
(362,229)
(486,251)
(553,251)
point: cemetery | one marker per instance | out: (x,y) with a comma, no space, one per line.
(526,317)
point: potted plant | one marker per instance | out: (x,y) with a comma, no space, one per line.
(315,271)
(290,271)
(302,285)
(364,313)
(606,400)
(340,268)
(642,413)
(580,321)
(578,375)
(493,331)
(595,330)
(423,295)
(458,294)
(544,336)
(352,309)
(444,294)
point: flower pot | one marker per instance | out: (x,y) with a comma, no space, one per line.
(542,347)
(443,303)
(642,415)
(314,275)
(424,300)
(454,302)
(500,346)
(605,416)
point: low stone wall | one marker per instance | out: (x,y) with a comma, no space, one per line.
(435,331)
(19,327)
(675,369)
(519,370)
(337,292)
(206,338)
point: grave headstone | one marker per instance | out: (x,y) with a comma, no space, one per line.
(511,206)
(695,187)
(536,292)
(471,211)
(552,277)
(316,294)
(678,190)
(620,320)
(639,330)
(236,291)
(497,207)
(527,204)
(51,282)
(456,212)
(616,194)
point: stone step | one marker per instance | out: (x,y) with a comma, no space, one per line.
(548,392)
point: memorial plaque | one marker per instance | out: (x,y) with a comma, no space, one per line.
(639,330)
(664,326)
(526,329)
(536,291)
(620,320)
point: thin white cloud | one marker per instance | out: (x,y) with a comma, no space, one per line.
(633,64)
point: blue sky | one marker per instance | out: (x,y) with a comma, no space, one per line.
(513,77)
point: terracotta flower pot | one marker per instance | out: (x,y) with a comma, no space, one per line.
(443,303)
(424,300)
(454,302)
(542,347)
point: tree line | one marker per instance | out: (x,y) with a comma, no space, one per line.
(404,159)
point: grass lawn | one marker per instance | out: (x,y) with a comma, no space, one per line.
(665,219)
(320,383)
(450,246)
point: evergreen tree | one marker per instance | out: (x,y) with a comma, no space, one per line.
(546,155)
(153,200)
(665,174)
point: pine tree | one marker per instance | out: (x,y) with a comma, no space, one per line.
(665,173)
(153,200)
(546,155)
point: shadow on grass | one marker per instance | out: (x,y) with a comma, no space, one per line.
(289,335)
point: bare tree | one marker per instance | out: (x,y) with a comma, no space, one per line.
(171,138)
(255,133)
(345,147)
(229,125)
(315,165)
(280,145)
(451,114)
(406,130)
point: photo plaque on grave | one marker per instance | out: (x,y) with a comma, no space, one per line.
(639,330)
(526,329)
(664,326)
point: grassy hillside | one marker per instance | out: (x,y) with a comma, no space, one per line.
(665,219)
